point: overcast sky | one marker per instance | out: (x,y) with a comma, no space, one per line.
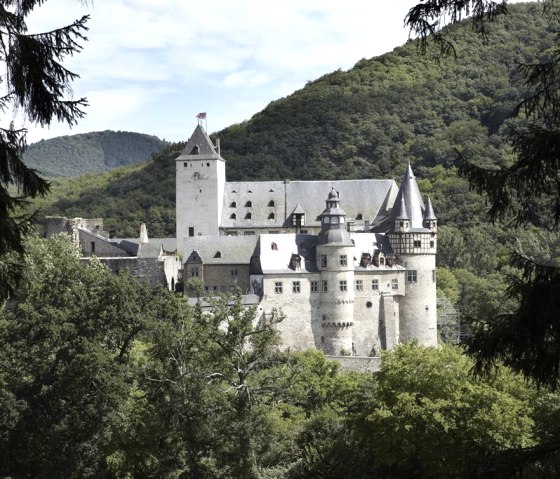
(150,66)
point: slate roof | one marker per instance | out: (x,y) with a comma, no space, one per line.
(370,198)
(231,249)
(151,249)
(199,146)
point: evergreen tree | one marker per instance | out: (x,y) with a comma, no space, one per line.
(36,84)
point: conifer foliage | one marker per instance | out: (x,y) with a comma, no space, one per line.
(36,84)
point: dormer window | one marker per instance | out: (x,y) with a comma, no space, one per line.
(233,216)
(218,254)
(249,204)
(359,217)
(233,204)
(195,150)
(271,216)
(248,216)
(271,203)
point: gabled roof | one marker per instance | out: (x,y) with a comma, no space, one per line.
(232,249)
(199,146)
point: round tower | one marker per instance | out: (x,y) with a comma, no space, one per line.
(413,237)
(335,260)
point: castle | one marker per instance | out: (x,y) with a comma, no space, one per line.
(350,263)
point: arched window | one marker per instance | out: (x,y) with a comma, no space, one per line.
(218,254)
(271,216)
(233,216)
(233,204)
(248,216)
(271,203)
(248,204)
(274,247)
(359,217)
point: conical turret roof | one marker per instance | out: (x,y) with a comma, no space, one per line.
(429,213)
(409,195)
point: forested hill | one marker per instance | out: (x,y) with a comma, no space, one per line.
(367,122)
(91,152)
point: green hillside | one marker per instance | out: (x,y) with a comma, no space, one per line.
(90,152)
(367,122)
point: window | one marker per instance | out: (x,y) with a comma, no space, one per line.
(274,247)
(314,286)
(433,276)
(185,164)
(195,150)
(248,216)
(233,272)
(233,204)
(233,216)
(194,272)
(325,286)
(359,216)
(343,260)
(278,287)
(343,286)
(93,247)
(248,233)
(191,230)
(432,243)
(248,204)
(375,284)
(271,216)
(323,261)
(394,284)
(359,285)
(411,276)
(296,287)
(271,203)
(417,243)
(218,254)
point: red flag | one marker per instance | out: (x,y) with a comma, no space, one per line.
(201,116)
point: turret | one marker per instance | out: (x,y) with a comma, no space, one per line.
(413,237)
(335,260)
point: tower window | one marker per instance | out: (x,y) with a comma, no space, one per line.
(278,287)
(394,284)
(323,261)
(417,243)
(296,287)
(92,247)
(195,150)
(325,286)
(433,276)
(411,276)
(191,230)
(194,272)
(432,243)
(343,260)
(185,164)
(314,286)
(343,285)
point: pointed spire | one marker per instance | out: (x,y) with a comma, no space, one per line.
(199,145)
(409,193)
(400,212)
(429,213)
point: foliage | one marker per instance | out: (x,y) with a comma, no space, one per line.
(90,152)
(36,84)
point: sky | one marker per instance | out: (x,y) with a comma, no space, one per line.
(150,66)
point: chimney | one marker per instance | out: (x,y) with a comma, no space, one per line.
(143,233)
(366,226)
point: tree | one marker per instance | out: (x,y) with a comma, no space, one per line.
(65,362)
(36,84)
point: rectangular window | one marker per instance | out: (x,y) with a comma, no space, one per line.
(417,243)
(432,243)
(359,285)
(343,286)
(325,286)
(194,272)
(314,286)
(92,247)
(303,232)
(191,230)
(433,276)
(375,284)
(278,287)
(233,272)
(248,233)
(323,261)
(296,287)
(411,276)
(394,284)
(343,260)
